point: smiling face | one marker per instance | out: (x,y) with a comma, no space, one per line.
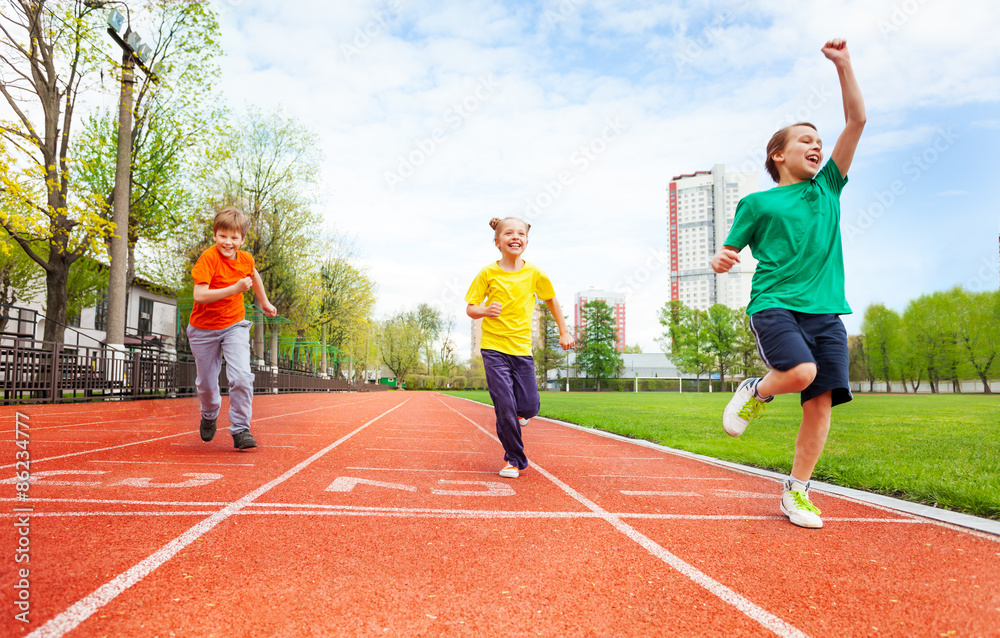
(227,241)
(512,238)
(802,155)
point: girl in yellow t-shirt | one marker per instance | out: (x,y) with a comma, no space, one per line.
(511,286)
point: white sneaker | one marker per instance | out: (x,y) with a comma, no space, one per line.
(743,408)
(795,504)
(509,471)
(522,422)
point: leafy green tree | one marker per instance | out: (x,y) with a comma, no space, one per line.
(548,354)
(431,324)
(859,361)
(49,48)
(271,171)
(927,336)
(684,338)
(344,300)
(20,277)
(979,333)
(881,328)
(174,126)
(400,340)
(748,362)
(597,355)
(720,336)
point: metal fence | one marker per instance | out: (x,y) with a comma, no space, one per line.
(33,371)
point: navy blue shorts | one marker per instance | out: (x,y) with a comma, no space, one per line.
(786,338)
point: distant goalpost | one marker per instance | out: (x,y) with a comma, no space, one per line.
(665,384)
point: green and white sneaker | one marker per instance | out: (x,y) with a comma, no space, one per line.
(795,504)
(744,407)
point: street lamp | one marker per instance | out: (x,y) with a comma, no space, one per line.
(134,51)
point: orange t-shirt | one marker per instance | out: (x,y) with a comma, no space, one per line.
(218,272)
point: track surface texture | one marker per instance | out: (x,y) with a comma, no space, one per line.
(382,514)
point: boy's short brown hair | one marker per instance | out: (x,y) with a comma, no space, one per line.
(231,218)
(777,144)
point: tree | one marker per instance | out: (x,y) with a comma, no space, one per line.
(880,327)
(597,355)
(720,335)
(20,277)
(684,338)
(400,339)
(859,361)
(748,362)
(271,171)
(548,354)
(346,301)
(46,53)
(636,349)
(979,332)
(431,325)
(172,134)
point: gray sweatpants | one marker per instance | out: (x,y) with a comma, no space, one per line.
(209,347)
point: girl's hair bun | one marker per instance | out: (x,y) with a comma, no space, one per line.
(495,222)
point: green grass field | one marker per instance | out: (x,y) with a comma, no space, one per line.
(941,450)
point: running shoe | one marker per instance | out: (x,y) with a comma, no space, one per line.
(243,440)
(522,422)
(509,471)
(743,408)
(207,429)
(795,504)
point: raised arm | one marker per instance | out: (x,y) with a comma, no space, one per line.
(854,105)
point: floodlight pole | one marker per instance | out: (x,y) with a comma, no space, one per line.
(132,51)
(117,286)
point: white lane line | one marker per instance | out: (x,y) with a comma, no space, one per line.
(172,463)
(105,449)
(603,458)
(727,595)
(654,493)
(104,501)
(661,478)
(414,469)
(421,438)
(88,605)
(415,451)
(397,512)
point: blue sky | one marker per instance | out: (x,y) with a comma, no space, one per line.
(435,116)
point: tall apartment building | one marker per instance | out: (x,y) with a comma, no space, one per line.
(614,299)
(700,211)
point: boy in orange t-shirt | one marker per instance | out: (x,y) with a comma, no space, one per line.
(218,327)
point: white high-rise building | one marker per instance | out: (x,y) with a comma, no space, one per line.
(700,211)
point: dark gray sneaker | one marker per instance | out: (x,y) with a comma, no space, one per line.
(207,429)
(244,440)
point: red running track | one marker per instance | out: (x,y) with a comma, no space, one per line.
(382,515)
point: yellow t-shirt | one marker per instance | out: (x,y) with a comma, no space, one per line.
(509,333)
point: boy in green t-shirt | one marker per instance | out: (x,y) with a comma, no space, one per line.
(797,295)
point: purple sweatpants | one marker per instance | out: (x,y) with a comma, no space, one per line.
(511,380)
